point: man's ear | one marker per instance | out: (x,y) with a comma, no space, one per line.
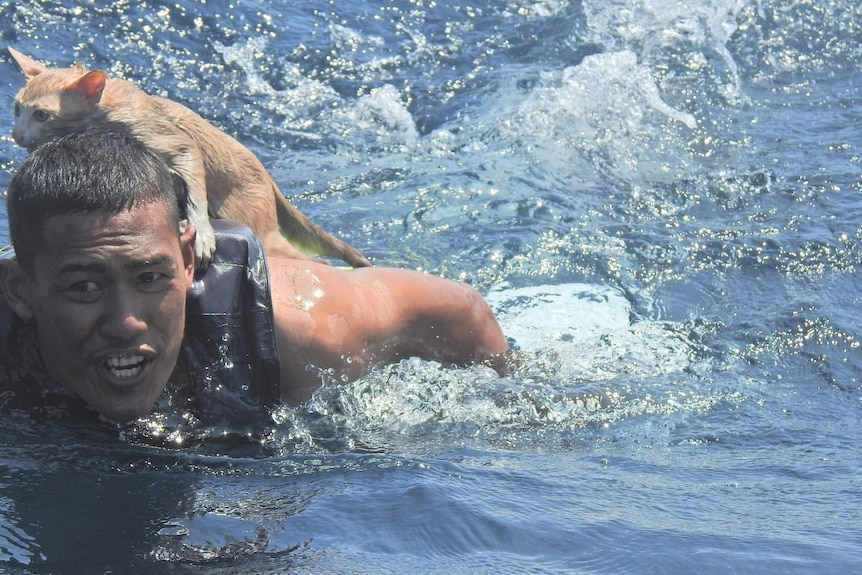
(187,246)
(14,283)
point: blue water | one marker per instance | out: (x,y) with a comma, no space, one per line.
(660,198)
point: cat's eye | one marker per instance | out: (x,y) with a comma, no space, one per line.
(41,116)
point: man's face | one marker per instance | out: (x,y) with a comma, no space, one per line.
(108,294)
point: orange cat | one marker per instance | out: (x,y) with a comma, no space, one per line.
(223,177)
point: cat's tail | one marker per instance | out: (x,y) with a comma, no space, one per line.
(308,237)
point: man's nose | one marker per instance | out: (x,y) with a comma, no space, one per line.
(123,317)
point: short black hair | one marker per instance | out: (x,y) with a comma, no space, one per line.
(97,169)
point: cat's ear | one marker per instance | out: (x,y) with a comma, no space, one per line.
(89,86)
(28,65)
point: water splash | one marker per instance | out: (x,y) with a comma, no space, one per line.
(584,362)
(658,29)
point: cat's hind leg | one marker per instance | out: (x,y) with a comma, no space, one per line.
(275,245)
(205,240)
(185,159)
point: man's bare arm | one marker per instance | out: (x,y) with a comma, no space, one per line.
(338,324)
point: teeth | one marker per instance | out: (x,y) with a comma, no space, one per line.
(125,367)
(125,361)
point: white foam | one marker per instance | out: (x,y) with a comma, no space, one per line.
(606,96)
(643,25)
(590,329)
(380,118)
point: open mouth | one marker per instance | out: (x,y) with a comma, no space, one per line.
(126,367)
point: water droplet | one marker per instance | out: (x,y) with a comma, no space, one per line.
(174,529)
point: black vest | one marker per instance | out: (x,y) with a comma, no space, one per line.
(229,341)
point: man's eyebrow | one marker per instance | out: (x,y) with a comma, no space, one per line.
(100,267)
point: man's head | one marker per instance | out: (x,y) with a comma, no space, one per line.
(88,171)
(103,267)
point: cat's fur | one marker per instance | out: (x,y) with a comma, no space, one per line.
(223,177)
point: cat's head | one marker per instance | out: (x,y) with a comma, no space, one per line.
(54,101)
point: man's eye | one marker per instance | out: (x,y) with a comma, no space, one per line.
(153,280)
(83,291)
(83,287)
(41,116)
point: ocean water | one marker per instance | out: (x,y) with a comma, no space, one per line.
(660,198)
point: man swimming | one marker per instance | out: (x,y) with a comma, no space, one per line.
(106,305)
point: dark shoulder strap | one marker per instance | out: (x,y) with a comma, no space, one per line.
(7,316)
(230,338)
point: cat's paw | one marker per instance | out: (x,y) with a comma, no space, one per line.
(205,244)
